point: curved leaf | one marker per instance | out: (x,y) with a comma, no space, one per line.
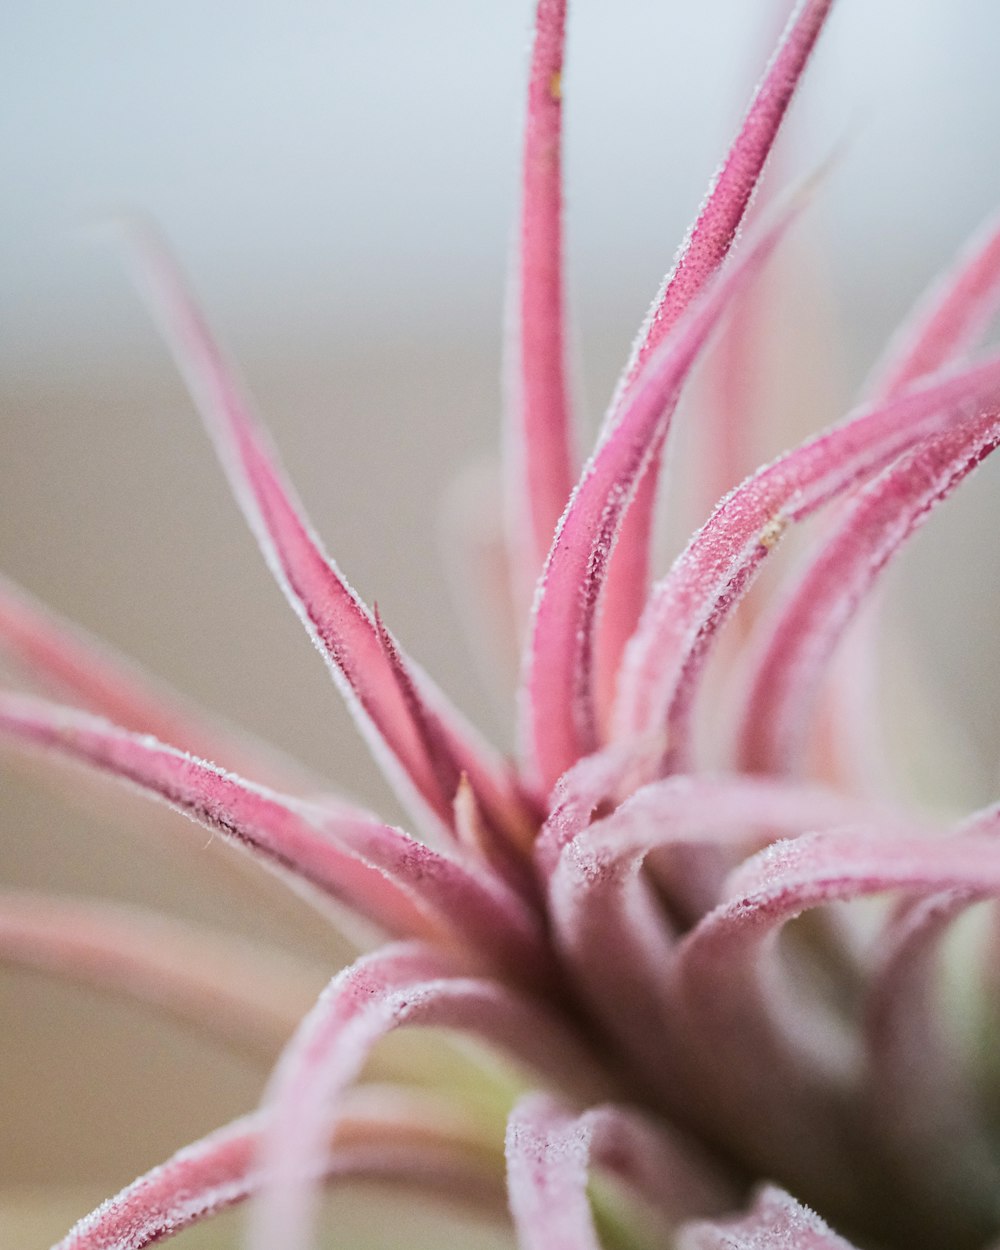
(395,1137)
(250,996)
(558,716)
(379,872)
(685,611)
(800,638)
(776,1222)
(399,985)
(701,254)
(339,623)
(550,1152)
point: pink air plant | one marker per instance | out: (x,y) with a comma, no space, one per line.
(689,1068)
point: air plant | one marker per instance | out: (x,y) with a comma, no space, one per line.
(612,915)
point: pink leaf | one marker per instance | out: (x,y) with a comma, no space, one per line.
(381,873)
(946,324)
(747,1033)
(558,721)
(539,434)
(733,186)
(400,985)
(703,251)
(550,1152)
(686,610)
(950,319)
(791,877)
(338,622)
(800,639)
(776,1222)
(598,781)
(717,966)
(84,670)
(396,1138)
(251,997)
(615,932)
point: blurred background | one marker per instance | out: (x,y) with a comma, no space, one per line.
(339,180)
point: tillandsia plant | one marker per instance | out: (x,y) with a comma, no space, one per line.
(612,916)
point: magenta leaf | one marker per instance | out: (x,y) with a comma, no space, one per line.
(399,985)
(558,717)
(379,872)
(704,249)
(539,435)
(800,639)
(341,626)
(776,1222)
(686,609)
(550,1152)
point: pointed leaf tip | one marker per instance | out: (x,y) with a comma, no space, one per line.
(339,623)
(559,720)
(378,872)
(703,251)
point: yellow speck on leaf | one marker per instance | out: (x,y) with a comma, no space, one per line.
(772,531)
(555,85)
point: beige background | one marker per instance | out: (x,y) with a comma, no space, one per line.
(339,179)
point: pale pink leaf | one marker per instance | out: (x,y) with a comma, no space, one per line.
(398,986)
(791,877)
(686,609)
(598,782)
(798,640)
(776,1222)
(950,319)
(396,1137)
(718,966)
(251,997)
(776,1063)
(616,933)
(550,1152)
(947,323)
(922,1104)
